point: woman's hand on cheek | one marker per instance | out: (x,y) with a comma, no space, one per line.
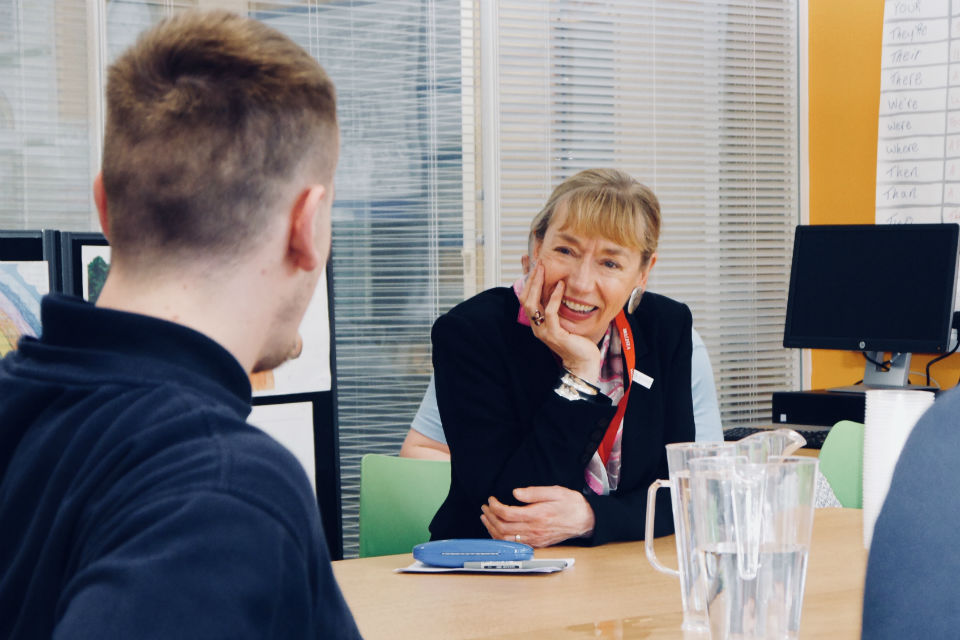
(580,355)
(551,515)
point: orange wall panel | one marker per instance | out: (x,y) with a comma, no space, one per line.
(845,42)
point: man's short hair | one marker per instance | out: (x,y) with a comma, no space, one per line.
(209,116)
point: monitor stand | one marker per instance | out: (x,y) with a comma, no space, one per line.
(874,377)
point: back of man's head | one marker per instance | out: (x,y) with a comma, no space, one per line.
(210,116)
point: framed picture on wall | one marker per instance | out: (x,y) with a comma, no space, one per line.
(28,271)
(302,423)
(85,259)
(310,371)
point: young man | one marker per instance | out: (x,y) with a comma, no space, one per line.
(135,500)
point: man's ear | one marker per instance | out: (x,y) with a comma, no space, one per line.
(100,199)
(302,243)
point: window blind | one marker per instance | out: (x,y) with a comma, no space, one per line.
(404,207)
(45,107)
(52,53)
(125,20)
(698,100)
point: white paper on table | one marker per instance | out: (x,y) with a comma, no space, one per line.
(419,567)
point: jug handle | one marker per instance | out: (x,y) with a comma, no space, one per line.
(648,533)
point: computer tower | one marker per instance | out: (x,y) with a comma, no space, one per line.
(817,407)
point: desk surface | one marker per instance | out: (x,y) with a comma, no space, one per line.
(611,592)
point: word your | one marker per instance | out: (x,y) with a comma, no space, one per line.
(911,8)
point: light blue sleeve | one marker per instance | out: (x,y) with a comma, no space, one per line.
(427,420)
(706,411)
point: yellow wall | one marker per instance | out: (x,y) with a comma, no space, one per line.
(844,85)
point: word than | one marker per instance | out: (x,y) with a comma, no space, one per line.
(895,193)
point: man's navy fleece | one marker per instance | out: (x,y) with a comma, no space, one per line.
(135,501)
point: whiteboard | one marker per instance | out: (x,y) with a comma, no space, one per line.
(918,146)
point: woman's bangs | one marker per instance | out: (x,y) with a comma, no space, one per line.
(592,214)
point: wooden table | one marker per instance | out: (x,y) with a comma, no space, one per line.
(611,592)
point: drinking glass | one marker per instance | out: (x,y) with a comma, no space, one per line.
(752,527)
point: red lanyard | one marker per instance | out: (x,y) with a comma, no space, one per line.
(626,342)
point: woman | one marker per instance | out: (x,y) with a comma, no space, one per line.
(556,402)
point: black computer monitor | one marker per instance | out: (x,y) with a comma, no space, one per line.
(873,288)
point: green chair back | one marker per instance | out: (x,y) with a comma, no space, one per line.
(398,499)
(841,462)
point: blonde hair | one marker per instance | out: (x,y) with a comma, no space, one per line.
(605,202)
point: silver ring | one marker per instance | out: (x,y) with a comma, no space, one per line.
(516,537)
(537,318)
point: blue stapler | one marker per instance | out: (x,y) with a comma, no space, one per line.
(453,553)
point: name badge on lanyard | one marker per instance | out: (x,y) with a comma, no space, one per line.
(642,379)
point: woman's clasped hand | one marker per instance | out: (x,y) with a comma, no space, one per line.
(549,515)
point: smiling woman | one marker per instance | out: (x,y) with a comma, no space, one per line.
(533,381)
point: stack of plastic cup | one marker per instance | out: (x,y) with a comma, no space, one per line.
(889,418)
